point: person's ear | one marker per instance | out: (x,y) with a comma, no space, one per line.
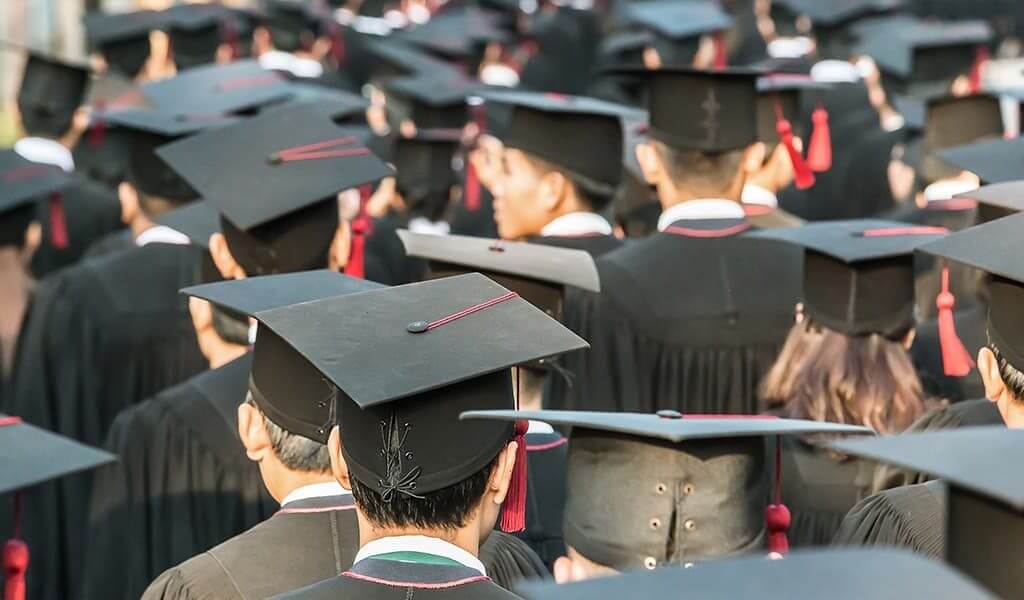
(341,247)
(33,239)
(563,570)
(223,259)
(988,368)
(553,186)
(338,465)
(651,163)
(651,58)
(128,196)
(253,432)
(753,157)
(202,314)
(501,476)
(908,340)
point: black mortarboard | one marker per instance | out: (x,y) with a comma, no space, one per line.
(424,170)
(997,200)
(539,273)
(456,34)
(994,248)
(196,32)
(397,59)
(846,574)
(835,13)
(581,136)
(216,89)
(707,111)
(407,361)
(30,455)
(338,105)
(292,23)
(624,49)
(858,275)
(123,38)
(284,385)
(429,101)
(274,178)
(954,121)
(985,505)
(648,490)
(52,88)
(677,26)
(995,161)
(22,185)
(198,220)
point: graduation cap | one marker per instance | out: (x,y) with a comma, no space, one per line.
(29,456)
(429,101)
(847,574)
(581,136)
(407,361)
(198,220)
(291,23)
(537,272)
(648,490)
(52,88)
(22,185)
(997,200)
(123,38)
(859,274)
(218,89)
(275,178)
(678,26)
(458,34)
(994,161)
(985,505)
(196,32)
(338,105)
(624,48)
(778,108)
(835,23)
(394,58)
(424,175)
(954,121)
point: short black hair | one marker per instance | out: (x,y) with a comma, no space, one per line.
(710,172)
(1012,377)
(295,452)
(445,509)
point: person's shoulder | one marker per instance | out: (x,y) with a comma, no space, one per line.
(201,576)
(327,589)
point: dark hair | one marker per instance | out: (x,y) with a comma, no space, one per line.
(824,375)
(1012,377)
(446,509)
(295,452)
(710,174)
(14,224)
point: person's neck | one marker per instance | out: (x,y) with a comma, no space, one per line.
(283,482)
(140,224)
(467,538)
(679,196)
(1013,414)
(219,352)
(15,286)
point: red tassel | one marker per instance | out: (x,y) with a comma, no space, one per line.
(981,56)
(356,257)
(338,50)
(803,176)
(58,224)
(819,152)
(776,515)
(721,59)
(513,514)
(15,559)
(98,131)
(956,361)
(472,193)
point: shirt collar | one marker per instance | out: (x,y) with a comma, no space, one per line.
(946,189)
(306,68)
(420,543)
(705,208)
(577,223)
(42,150)
(539,427)
(425,225)
(315,490)
(161,234)
(760,196)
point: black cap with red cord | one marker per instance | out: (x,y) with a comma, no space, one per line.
(779,104)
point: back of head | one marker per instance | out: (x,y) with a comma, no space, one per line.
(160,188)
(14,225)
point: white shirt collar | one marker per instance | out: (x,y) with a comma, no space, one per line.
(755,194)
(539,427)
(577,223)
(315,490)
(275,60)
(425,225)
(709,208)
(42,150)
(835,71)
(946,189)
(420,543)
(162,234)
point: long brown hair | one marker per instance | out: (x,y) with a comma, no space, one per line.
(824,375)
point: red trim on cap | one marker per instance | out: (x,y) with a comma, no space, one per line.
(426,586)
(318,150)
(547,446)
(10,420)
(248,82)
(953,204)
(470,310)
(900,231)
(707,233)
(26,172)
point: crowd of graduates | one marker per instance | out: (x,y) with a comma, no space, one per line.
(516,299)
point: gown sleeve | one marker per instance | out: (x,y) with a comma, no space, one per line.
(910,517)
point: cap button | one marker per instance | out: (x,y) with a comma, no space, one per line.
(669,414)
(417,327)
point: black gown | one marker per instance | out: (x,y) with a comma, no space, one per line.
(99,336)
(690,320)
(597,244)
(386,260)
(910,517)
(547,456)
(183,484)
(972,328)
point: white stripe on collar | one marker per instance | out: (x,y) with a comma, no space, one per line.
(946,189)
(420,543)
(705,208)
(315,490)
(161,234)
(577,223)
(755,194)
(539,427)
(42,150)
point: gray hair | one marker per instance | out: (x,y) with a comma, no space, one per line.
(295,452)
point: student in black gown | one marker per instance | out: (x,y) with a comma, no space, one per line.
(562,163)
(692,317)
(428,488)
(845,360)
(653,490)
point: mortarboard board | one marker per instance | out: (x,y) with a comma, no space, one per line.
(580,136)
(994,161)
(834,13)
(997,200)
(398,59)
(678,26)
(196,32)
(456,34)
(292,23)
(123,38)
(955,121)
(985,505)
(198,220)
(338,105)
(274,178)
(430,102)
(847,574)
(648,490)
(52,88)
(31,455)
(217,89)
(22,185)
(407,361)
(858,275)
(625,49)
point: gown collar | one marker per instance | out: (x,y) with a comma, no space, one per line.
(420,544)
(315,490)
(702,209)
(577,224)
(42,150)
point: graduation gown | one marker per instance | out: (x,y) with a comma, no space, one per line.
(386,260)
(305,542)
(911,517)
(547,457)
(100,336)
(972,327)
(596,244)
(687,319)
(111,243)
(183,484)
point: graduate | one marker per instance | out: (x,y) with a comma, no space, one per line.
(428,488)
(912,517)
(692,317)
(549,192)
(540,274)
(647,491)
